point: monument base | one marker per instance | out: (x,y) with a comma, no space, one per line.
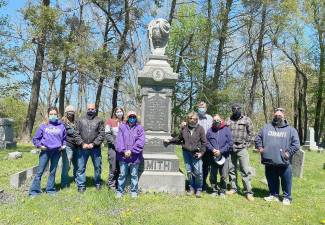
(310,147)
(170,182)
(8,144)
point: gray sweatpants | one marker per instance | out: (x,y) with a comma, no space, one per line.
(242,156)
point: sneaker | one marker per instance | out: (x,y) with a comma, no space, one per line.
(134,195)
(98,187)
(118,195)
(214,194)
(198,194)
(250,197)
(231,192)
(81,189)
(190,192)
(286,201)
(222,195)
(271,198)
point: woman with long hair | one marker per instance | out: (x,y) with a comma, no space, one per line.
(51,139)
(111,130)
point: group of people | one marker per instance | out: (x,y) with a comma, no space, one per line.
(210,146)
(78,139)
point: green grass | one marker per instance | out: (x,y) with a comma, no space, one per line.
(92,207)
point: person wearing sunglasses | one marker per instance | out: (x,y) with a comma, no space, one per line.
(241,127)
(130,142)
(278,142)
(219,142)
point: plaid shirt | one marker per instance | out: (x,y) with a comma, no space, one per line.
(242,131)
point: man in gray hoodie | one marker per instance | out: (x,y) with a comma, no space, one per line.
(278,142)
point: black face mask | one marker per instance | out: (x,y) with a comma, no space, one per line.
(236,114)
(70,114)
(91,113)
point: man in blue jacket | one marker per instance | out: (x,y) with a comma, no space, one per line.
(278,142)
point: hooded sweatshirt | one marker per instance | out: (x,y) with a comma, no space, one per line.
(276,140)
(51,135)
(220,138)
(130,138)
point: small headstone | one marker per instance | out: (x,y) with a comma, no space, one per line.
(6,133)
(15,155)
(35,151)
(310,143)
(298,160)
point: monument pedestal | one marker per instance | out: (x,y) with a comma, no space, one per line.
(6,134)
(310,143)
(161,165)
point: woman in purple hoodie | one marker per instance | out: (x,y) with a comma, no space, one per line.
(51,139)
(129,146)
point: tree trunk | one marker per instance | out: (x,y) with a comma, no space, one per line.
(222,41)
(172,11)
(62,86)
(258,64)
(121,49)
(207,46)
(36,84)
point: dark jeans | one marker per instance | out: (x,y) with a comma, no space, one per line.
(193,167)
(274,174)
(206,167)
(114,168)
(69,157)
(223,172)
(45,156)
(96,157)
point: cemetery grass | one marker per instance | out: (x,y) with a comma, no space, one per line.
(101,207)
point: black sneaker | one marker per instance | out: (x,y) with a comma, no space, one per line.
(81,189)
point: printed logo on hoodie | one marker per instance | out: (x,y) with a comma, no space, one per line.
(277,134)
(53,130)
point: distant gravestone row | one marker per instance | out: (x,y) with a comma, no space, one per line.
(6,133)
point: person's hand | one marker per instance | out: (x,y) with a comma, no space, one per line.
(286,155)
(62,147)
(183,124)
(166,142)
(43,148)
(261,149)
(198,155)
(127,153)
(216,152)
(85,146)
(91,145)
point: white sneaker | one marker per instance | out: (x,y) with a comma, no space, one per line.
(271,198)
(119,195)
(286,201)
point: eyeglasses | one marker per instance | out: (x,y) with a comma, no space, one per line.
(132,116)
(236,108)
(279,109)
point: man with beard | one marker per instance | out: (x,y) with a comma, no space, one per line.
(241,127)
(278,142)
(90,135)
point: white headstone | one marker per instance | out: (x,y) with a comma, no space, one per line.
(15,155)
(310,143)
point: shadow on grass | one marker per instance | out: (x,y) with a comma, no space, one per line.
(260,193)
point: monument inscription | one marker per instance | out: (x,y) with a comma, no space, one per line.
(156,113)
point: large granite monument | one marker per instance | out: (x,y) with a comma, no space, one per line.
(157,80)
(6,133)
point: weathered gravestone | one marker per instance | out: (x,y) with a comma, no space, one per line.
(6,133)
(15,155)
(20,178)
(310,143)
(157,80)
(297,163)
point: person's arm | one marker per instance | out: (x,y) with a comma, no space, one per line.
(229,143)
(120,145)
(110,137)
(78,138)
(259,141)
(250,131)
(37,139)
(101,134)
(208,137)
(294,142)
(64,137)
(177,140)
(203,140)
(140,141)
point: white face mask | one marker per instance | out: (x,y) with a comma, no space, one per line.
(119,114)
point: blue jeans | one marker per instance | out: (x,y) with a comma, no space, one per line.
(96,157)
(124,171)
(273,175)
(53,156)
(194,170)
(69,156)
